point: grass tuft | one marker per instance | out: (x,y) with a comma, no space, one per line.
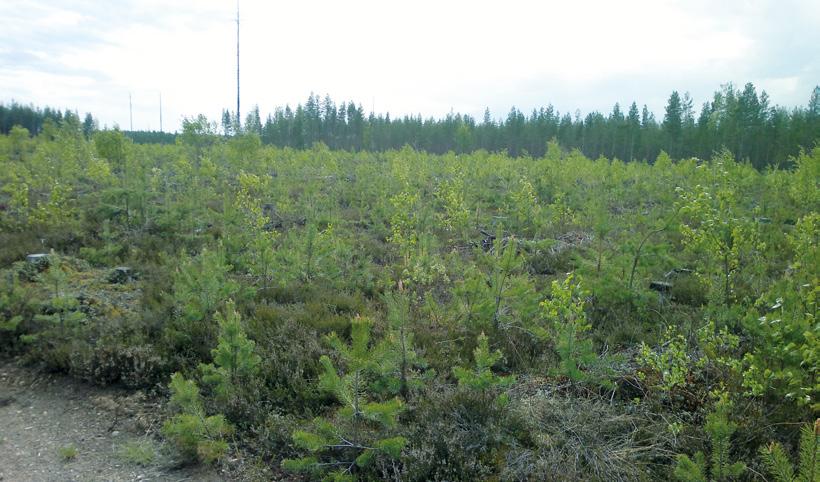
(68,452)
(137,452)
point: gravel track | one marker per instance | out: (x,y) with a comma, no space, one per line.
(41,413)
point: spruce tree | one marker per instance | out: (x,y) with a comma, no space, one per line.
(673,123)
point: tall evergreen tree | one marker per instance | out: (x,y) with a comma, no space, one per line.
(673,124)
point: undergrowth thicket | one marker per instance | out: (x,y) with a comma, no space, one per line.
(401,315)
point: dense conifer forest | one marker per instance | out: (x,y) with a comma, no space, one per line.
(329,296)
(740,120)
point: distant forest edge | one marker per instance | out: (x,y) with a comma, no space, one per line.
(739,120)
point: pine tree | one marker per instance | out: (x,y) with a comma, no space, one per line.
(201,283)
(718,468)
(362,428)
(14,308)
(777,460)
(195,435)
(480,379)
(403,359)
(64,315)
(235,363)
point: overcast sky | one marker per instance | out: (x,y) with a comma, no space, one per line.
(405,57)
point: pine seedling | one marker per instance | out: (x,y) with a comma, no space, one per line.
(568,327)
(196,436)
(12,301)
(201,283)
(401,370)
(480,378)
(360,430)
(235,362)
(63,309)
(719,429)
(780,467)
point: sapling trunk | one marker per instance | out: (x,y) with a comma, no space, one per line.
(638,253)
(403,389)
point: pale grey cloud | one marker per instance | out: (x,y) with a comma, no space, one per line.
(425,56)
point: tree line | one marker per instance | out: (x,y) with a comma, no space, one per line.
(34,118)
(740,120)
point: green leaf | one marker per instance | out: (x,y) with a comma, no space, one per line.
(11,324)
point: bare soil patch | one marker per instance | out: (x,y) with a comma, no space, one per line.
(43,415)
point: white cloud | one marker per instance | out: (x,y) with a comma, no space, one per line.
(406,57)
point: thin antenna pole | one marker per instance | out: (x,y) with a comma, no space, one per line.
(130,112)
(238,117)
(160,112)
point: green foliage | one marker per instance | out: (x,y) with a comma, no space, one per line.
(195,435)
(111,145)
(480,378)
(727,244)
(11,324)
(689,470)
(201,284)
(671,362)
(568,328)
(718,467)
(784,360)
(361,430)
(525,206)
(235,363)
(15,307)
(780,467)
(109,253)
(401,372)
(451,195)
(424,268)
(497,294)
(60,319)
(404,223)
(445,247)
(676,362)
(138,452)
(68,452)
